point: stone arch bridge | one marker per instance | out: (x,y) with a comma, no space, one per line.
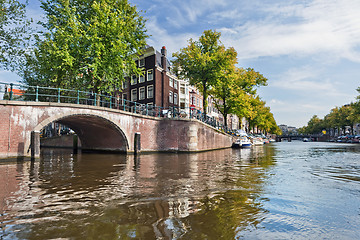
(100,128)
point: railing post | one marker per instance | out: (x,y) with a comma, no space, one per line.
(147,110)
(78,97)
(135,108)
(58,95)
(124,102)
(11,91)
(95,97)
(37,94)
(110,101)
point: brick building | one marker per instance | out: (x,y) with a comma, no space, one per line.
(157,85)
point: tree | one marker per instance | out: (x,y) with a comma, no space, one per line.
(234,88)
(250,79)
(203,62)
(14,33)
(315,125)
(260,116)
(88,44)
(225,92)
(347,116)
(356,108)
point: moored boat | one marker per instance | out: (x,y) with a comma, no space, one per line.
(242,142)
(245,142)
(237,143)
(257,141)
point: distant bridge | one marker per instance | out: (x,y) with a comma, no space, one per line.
(100,128)
(314,137)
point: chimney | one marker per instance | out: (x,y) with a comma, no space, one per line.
(163,58)
(163,51)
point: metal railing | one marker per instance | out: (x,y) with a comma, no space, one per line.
(19,92)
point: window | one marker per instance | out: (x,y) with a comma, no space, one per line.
(142,93)
(171,82)
(125,84)
(175,98)
(182,90)
(150,75)
(150,91)
(170,97)
(141,78)
(142,62)
(175,84)
(134,95)
(133,79)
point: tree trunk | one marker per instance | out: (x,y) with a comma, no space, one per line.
(225,120)
(98,99)
(205,95)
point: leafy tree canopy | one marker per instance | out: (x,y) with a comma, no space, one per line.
(14,33)
(204,61)
(87,44)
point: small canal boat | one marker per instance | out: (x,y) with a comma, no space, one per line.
(257,141)
(242,142)
(237,143)
(245,142)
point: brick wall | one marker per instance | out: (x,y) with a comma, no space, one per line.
(103,129)
(65,141)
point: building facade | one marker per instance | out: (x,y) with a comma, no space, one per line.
(157,85)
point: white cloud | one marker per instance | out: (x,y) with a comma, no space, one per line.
(183,13)
(308,81)
(259,28)
(323,26)
(160,37)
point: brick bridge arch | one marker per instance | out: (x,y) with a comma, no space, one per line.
(94,131)
(102,128)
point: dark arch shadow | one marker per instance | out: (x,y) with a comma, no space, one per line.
(96,133)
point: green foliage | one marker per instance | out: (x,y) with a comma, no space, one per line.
(225,92)
(338,118)
(315,125)
(211,68)
(203,62)
(14,33)
(234,89)
(260,116)
(88,44)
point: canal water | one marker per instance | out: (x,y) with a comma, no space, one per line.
(288,190)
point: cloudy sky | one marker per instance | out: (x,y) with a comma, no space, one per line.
(309,50)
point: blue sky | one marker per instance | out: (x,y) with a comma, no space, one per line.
(309,50)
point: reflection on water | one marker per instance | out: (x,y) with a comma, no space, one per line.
(284,190)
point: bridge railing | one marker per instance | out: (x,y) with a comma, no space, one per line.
(19,92)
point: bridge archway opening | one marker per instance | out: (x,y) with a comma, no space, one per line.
(95,133)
